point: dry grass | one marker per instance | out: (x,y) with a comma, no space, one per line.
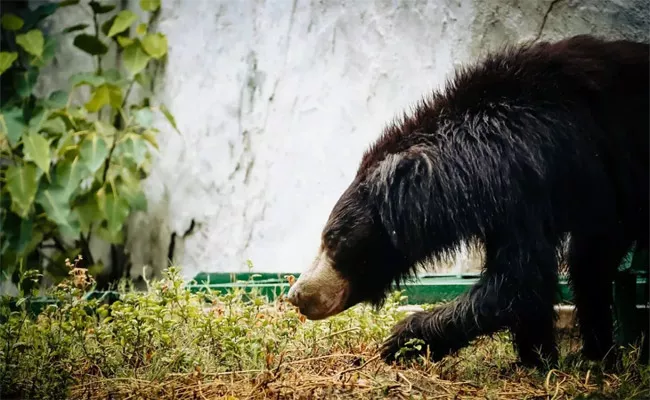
(485,371)
(166,344)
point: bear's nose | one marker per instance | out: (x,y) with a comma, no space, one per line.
(294,296)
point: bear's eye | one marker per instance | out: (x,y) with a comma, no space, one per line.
(329,240)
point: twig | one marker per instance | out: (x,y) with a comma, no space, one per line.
(359,367)
(322,358)
(104,380)
(226,373)
(338,333)
(406,380)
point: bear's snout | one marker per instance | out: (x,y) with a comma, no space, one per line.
(294,296)
(304,303)
(320,292)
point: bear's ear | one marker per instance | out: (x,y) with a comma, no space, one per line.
(401,194)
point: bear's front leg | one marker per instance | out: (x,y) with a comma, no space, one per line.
(494,303)
(432,328)
(450,327)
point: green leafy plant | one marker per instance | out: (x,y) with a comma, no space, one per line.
(72,169)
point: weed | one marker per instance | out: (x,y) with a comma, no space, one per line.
(168,342)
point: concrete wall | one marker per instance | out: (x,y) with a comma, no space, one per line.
(277,101)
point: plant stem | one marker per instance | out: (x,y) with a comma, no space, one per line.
(58,243)
(107,163)
(85,250)
(99,57)
(126,95)
(90,231)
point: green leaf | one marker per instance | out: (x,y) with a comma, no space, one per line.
(169,117)
(48,53)
(88,212)
(100,98)
(37,149)
(68,176)
(6,60)
(26,228)
(134,147)
(114,208)
(32,42)
(104,129)
(12,22)
(13,125)
(75,28)
(141,29)
(57,209)
(100,8)
(23,238)
(93,152)
(144,117)
(135,59)
(25,82)
(38,117)
(149,5)
(29,237)
(149,136)
(22,184)
(114,96)
(32,18)
(110,237)
(144,80)
(66,143)
(54,126)
(128,187)
(85,78)
(57,99)
(136,199)
(122,22)
(78,113)
(90,44)
(125,41)
(106,26)
(103,95)
(113,76)
(155,44)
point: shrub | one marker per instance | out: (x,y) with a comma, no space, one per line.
(73,169)
(165,330)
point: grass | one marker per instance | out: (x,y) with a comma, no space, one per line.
(168,343)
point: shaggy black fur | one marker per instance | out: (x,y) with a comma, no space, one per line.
(534,142)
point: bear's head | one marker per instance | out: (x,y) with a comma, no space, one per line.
(360,254)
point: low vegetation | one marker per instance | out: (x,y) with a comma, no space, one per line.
(170,343)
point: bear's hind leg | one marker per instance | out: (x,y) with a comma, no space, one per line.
(592,264)
(533,326)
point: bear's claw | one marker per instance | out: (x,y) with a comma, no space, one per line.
(402,334)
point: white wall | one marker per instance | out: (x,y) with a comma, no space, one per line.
(277,101)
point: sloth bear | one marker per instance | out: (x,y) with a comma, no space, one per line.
(534,143)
